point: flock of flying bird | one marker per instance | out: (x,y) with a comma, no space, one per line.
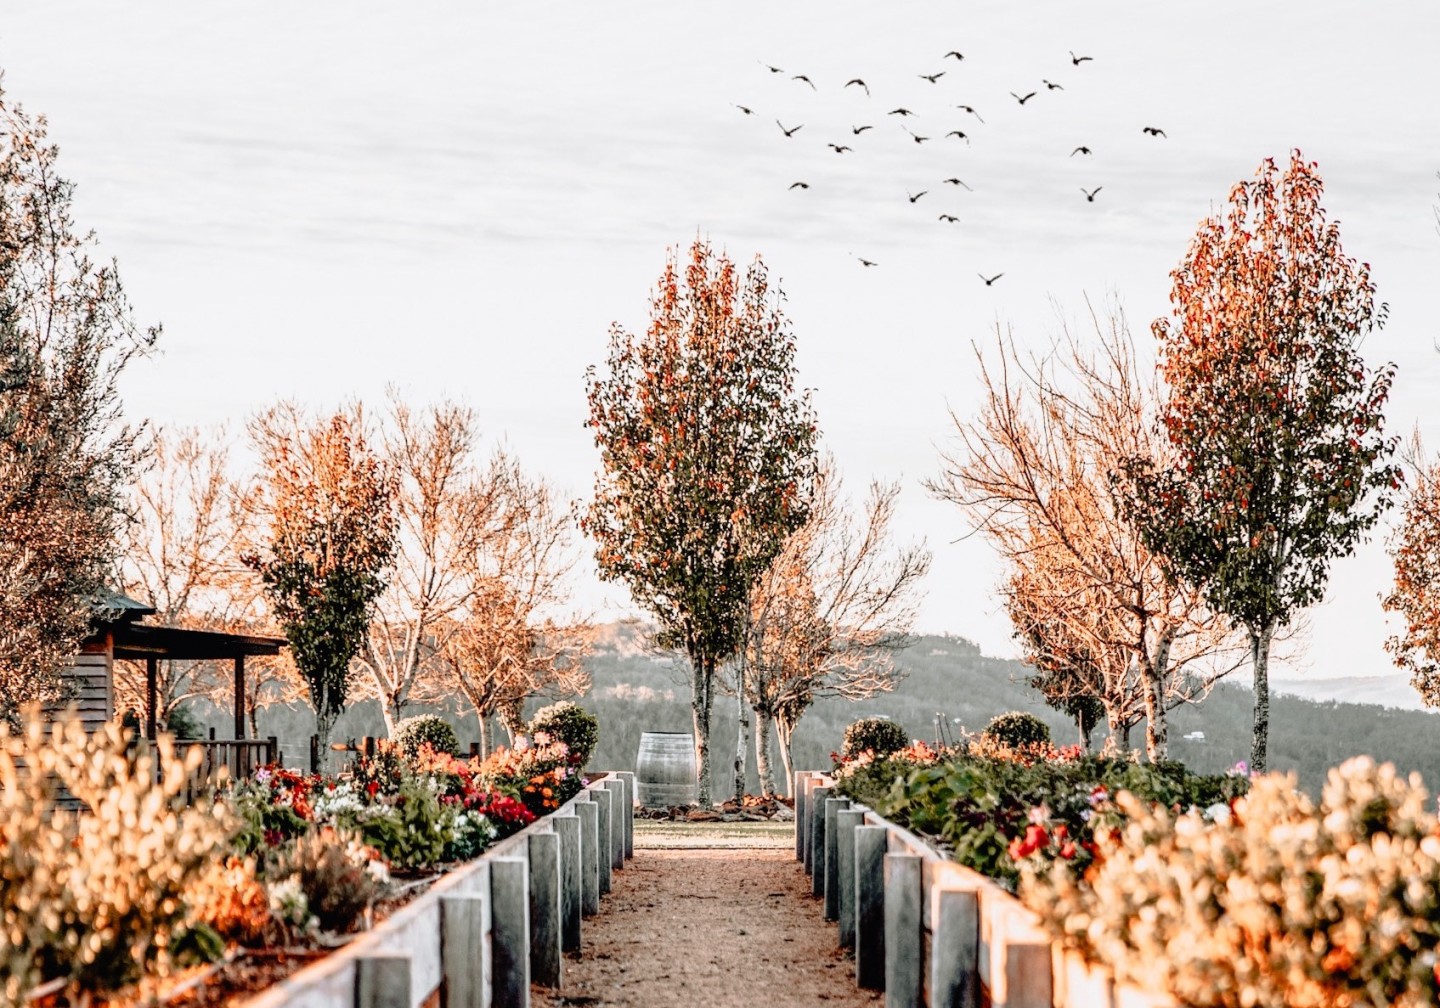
(906,114)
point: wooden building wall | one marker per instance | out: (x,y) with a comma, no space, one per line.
(94,697)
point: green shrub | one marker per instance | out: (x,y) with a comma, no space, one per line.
(571,724)
(880,736)
(337,884)
(1018,728)
(411,833)
(414,732)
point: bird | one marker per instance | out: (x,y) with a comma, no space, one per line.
(1080,150)
(912,199)
(917,138)
(839,148)
(900,112)
(866,262)
(956,181)
(1050,85)
(932,78)
(949,218)
(799,185)
(989,280)
(952,52)
(772,69)
(1153,131)
(857,80)
(789,132)
(807,80)
(747,111)
(957,133)
(1077,60)
(971,110)
(857,130)
(1090,193)
(1022,101)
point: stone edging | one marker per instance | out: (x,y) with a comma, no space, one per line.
(928,931)
(481,934)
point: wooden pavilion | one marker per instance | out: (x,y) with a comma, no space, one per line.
(120,633)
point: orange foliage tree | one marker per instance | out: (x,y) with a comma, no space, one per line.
(707,455)
(1273,418)
(329,538)
(1415,595)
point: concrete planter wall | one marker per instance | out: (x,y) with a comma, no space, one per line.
(480,935)
(928,931)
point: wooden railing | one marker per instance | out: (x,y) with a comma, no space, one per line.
(928,931)
(221,759)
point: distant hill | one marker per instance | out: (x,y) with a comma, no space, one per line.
(636,689)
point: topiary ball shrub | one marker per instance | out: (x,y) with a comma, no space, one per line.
(1018,728)
(414,732)
(569,723)
(880,735)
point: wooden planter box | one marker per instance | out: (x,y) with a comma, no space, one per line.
(929,931)
(480,935)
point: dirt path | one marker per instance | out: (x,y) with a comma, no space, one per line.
(709,928)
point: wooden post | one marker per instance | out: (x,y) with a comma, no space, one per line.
(589,814)
(239,696)
(272,750)
(604,804)
(798,791)
(845,824)
(833,807)
(616,787)
(629,813)
(870,844)
(465,950)
(370,746)
(818,797)
(314,753)
(567,828)
(903,940)
(546,963)
(954,949)
(382,981)
(510,931)
(152,673)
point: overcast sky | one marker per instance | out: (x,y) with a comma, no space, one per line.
(319,199)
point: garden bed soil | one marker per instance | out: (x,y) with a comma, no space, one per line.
(709,929)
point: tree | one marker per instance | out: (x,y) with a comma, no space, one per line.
(1037,472)
(1274,420)
(509,644)
(66,335)
(181,554)
(1415,595)
(707,457)
(829,613)
(329,538)
(446,510)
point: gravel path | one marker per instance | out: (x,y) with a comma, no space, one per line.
(709,928)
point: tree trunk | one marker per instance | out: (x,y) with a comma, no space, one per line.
(784,732)
(1156,731)
(392,710)
(1260,656)
(763,769)
(700,709)
(511,716)
(1080,729)
(742,735)
(324,722)
(484,735)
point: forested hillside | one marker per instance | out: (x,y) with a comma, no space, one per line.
(635,690)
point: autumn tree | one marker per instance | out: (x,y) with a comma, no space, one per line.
(447,507)
(327,542)
(1415,594)
(1274,421)
(66,335)
(707,456)
(829,613)
(1036,472)
(512,639)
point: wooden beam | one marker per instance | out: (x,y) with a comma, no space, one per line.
(239,696)
(152,674)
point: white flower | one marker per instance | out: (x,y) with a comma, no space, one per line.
(1218,813)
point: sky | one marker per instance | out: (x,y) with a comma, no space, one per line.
(319,200)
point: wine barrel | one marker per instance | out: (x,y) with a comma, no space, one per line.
(665,770)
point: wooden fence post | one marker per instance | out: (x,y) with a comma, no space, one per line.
(382,981)
(870,844)
(465,950)
(903,939)
(510,931)
(845,824)
(833,807)
(546,963)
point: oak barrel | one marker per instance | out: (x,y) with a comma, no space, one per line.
(665,770)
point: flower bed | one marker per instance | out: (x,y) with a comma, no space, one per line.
(1216,891)
(107,902)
